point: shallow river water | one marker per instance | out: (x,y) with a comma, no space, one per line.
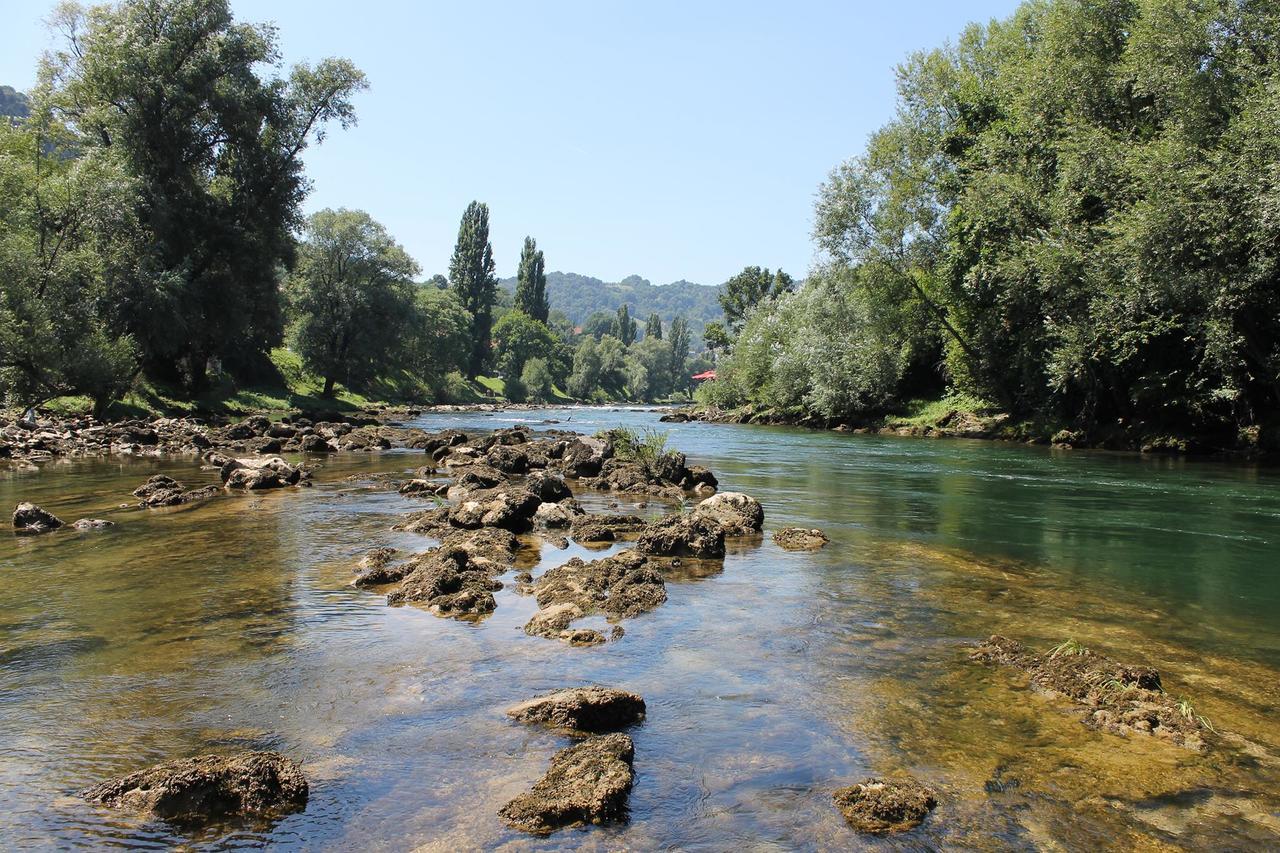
(231,625)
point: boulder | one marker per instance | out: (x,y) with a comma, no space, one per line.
(583,457)
(254,474)
(677,535)
(29,518)
(375,568)
(881,806)
(800,539)
(507,459)
(547,486)
(737,514)
(582,709)
(208,787)
(621,586)
(552,516)
(315,444)
(423,487)
(587,783)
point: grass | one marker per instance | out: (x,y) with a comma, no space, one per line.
(644,446)
(1067,648)
(290,387)
(924,413)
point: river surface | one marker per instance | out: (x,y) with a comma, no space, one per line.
(232,625)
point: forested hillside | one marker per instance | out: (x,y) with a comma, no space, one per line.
(580,296)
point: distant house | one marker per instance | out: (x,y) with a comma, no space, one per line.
(702,377)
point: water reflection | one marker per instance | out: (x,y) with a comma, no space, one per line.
(769,680)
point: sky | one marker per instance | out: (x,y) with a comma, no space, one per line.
(672,140)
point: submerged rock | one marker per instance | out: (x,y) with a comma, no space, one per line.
(29,518)
(582,709)
(800,539)
(92,524)
(880,806)
(1119,698)
(586,783)
(683,536)
(201,789)
(621,586)
(375,568)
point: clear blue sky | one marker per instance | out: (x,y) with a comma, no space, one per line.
(668,139)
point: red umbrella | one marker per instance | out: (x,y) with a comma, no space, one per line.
(710,374)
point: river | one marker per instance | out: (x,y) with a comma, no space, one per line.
(231,625)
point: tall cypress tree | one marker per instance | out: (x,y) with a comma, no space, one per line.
(471,276)
(531,282)
(624,327)
(653,327)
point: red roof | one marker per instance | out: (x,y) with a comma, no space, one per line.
(710,374)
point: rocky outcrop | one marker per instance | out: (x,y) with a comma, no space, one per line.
(376,568)
(1119,698)
(620,587)
(29,518)
(592,710)
(588,783)
(800,539)
(92,524)
(605,527)
(253,474)
(162,490)
(208,787)
(425,488)
(677,535)
(883,806)
(736,513)
(456,579)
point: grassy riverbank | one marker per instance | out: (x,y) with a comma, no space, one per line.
(290,387)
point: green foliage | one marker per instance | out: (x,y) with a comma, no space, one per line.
(748,289)
(582,297)
(169,92)
(531,283)
(1068,648)
(1079,204)
(351,298)
(716,338)
(537,380)
(644,446)
(826,349)
(517,337)
(471,276)
(653,327)
(65,225)
(624,326)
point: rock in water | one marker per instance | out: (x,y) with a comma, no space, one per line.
(693,535)
(737,513)
(880,806)
(92,524)
(207,787)
(582,709)
(586,783)
(29,518)
(800,539)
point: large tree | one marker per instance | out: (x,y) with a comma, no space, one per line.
(745,290)
(624,326)
(653,327)
(517,337)
(531,282)
(172,90)
(351,298)
(471,274)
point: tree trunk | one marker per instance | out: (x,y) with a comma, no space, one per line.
(328,388)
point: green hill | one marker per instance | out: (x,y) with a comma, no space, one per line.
(579,296)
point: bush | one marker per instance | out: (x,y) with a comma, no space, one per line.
(536,380)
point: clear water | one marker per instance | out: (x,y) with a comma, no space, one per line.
(230,625)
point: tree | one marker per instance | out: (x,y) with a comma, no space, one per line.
(649,369)
(747,289)
(351,297)
(585,377)
(517,338)
(471,275)
(437,337)
(716,338)
(679,341)
(653,327)
(531,283)
(438,281)
(170,90)
(536,378)
(599,324)
(624,328)
(66,228)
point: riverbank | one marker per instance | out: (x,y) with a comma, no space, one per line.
(965,417)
